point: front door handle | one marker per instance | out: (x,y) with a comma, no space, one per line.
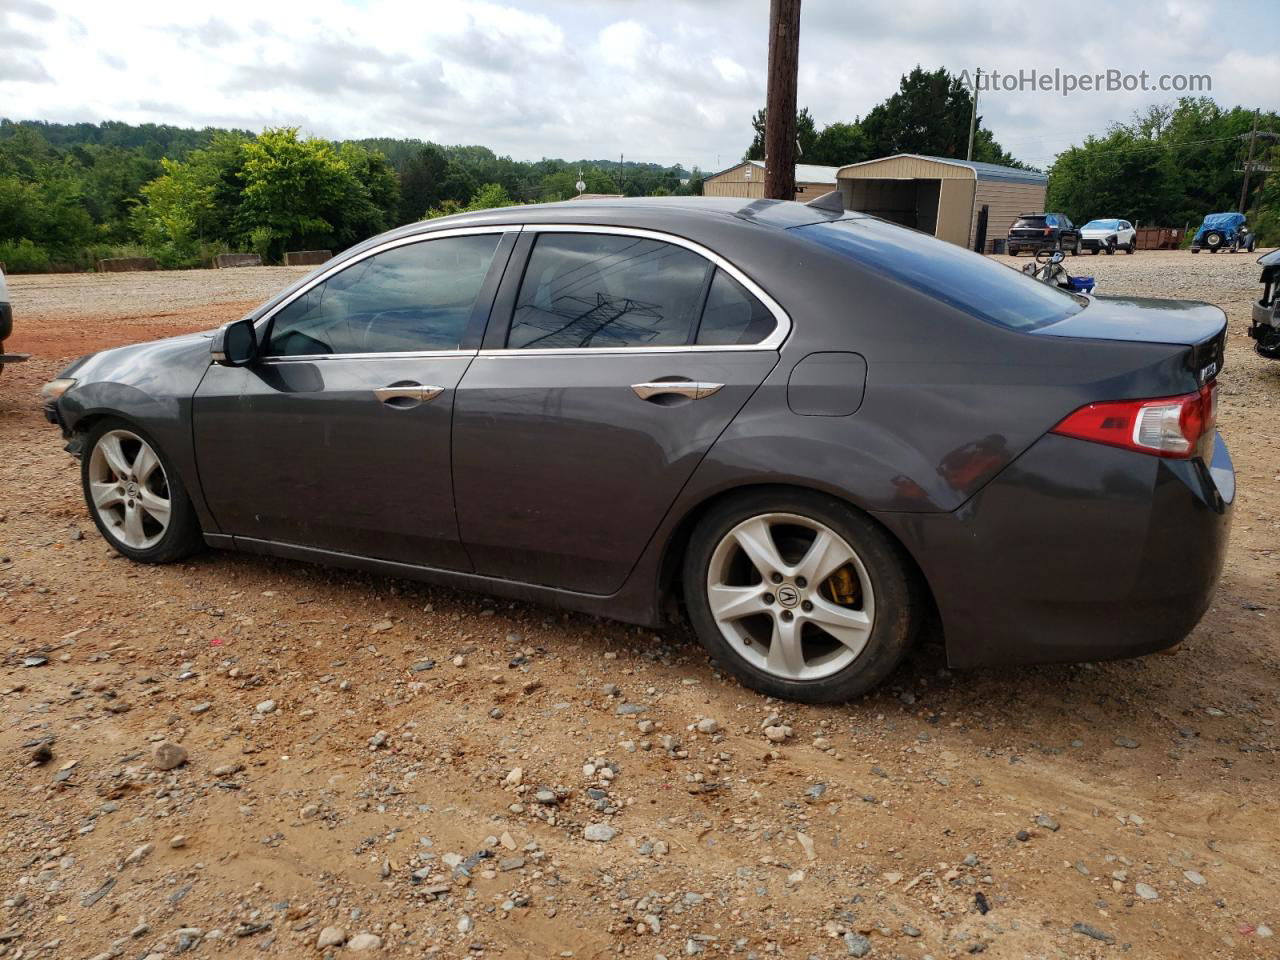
(402,396)
(692,389)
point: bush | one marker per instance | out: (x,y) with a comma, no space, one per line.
(23,256)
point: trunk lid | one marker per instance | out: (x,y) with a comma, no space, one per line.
(1201,327)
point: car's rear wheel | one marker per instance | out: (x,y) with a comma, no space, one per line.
(1213,240)
(799,595)
(135,497)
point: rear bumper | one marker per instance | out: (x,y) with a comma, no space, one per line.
(1077,551)
(1031,243)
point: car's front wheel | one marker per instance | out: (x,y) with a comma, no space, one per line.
(799,595)
(135,497)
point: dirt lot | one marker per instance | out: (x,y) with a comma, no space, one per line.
(416,767)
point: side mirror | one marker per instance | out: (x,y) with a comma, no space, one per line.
(235,345)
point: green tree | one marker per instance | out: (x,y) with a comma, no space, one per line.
(930,114)
(488,197)
(293,192)
(806,136)
(839,144)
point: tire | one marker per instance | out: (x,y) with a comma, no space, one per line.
(1111,249)
(1213,240)
(1095,251)
(1075,251)
(127,485)
(877,614)
(1129,248)
(1013,251)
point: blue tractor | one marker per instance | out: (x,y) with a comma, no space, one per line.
(1223,231)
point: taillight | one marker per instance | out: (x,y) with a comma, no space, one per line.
(1048,230)
(1164,427)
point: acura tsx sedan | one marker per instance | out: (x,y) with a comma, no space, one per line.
(811,429)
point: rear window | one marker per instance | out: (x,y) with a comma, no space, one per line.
(1037,223)
(961,278)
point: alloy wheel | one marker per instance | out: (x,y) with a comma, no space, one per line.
(791,596)
(129,489)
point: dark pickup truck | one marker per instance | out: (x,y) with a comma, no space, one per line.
(1037,231)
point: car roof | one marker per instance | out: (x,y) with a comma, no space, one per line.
(683,216)
(715,222)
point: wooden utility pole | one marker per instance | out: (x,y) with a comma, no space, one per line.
(1248,164)
(780,100)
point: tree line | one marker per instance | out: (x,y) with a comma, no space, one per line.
(929,114)
(1170,165)
(71,194)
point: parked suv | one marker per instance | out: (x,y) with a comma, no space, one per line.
(1109,236)
(1036,231)
(6,326)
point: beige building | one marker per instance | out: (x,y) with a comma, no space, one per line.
(968,203)
(747,180)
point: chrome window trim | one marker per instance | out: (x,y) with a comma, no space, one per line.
(398,355)
(773,341)
(264,321)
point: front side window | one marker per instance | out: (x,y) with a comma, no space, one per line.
(417,297)
(592,290)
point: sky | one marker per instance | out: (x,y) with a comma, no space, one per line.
(664,82)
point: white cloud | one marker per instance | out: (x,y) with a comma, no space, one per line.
(668,82)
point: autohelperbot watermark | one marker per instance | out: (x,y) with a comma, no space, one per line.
(1066,83)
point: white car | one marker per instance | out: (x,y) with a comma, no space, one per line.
(1109,235)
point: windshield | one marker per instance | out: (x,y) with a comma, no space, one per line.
(961,278)
(1102,225)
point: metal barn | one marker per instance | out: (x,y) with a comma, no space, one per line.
(965,202)
(746,179)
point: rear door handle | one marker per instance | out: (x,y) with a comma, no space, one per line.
(402,396)
(693,389)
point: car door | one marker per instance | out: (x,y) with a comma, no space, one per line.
(616,358)
(338,436)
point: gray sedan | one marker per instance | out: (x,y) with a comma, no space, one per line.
(814,431)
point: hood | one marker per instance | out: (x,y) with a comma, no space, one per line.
(112,362)
(1099,231)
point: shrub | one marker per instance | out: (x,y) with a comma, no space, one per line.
(23,256)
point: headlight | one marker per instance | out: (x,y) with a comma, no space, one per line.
(54,389)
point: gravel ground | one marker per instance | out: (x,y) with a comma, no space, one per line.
(239,756)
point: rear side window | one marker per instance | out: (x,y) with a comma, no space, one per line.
(417,297)
(591,290)
(961,278)
(732,316)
